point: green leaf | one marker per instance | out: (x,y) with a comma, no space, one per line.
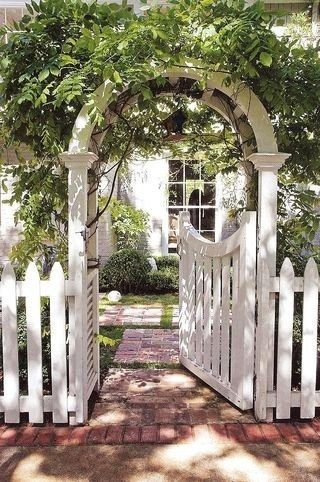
(265,59)
(43,75)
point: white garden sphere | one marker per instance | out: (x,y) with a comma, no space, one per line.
(114,296)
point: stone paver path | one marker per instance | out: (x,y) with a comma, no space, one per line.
(148,345)
(144,397)
(135,315)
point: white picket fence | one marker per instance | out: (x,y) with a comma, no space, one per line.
(217,308)
(68,382)
(275,342)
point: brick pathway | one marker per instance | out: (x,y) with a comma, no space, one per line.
(143,397)
(148,345)
(134,315)
(212,433)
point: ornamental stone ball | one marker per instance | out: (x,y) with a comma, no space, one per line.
(114,296)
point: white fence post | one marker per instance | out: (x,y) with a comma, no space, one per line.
(78,165)
(262,332)
(184,217)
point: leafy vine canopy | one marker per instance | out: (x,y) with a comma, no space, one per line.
(62,50)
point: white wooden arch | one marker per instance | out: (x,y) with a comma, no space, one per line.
(248,115)
(248,104)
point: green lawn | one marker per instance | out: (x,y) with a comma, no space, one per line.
(167,302)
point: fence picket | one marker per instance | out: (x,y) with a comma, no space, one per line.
(309,340)
(225,319)
(236,348)
(285,330)
(199,309)
(191,303)
(10,346)
(216,325)
(58,345)
(207,322)
(34,344)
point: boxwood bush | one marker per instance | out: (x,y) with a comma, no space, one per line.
(170,261)
(126,271)
(164,280)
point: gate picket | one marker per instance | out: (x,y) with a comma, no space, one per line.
(213,358)
(34,344)
(285,331)
(216,308)
(225,319)
(236,349)
(199,309)
(10,346)
(58,345)
(309,340)
(191,304)
(207,323)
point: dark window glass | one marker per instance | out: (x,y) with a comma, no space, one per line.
(176,195)
(209,196)
(176,170)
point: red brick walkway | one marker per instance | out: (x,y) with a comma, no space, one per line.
(162,434)
(147,345)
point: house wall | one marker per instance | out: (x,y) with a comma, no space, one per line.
(144,185)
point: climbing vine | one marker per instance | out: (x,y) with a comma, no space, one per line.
(64,49)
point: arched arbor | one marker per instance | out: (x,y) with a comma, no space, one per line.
(241,108)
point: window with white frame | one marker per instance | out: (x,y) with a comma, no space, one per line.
(191,189)
(288,8)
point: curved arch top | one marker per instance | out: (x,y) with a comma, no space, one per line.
(241,95)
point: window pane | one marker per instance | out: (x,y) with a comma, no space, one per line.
(175,194)
(175,170)
(207,219)
(195,218)
(173,226)
(192,171)
(193,190)
(209,196)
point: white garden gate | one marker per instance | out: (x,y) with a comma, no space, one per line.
(217,308)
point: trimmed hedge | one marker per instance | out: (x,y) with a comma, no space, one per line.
(126,270)
(163,281)
(170,261)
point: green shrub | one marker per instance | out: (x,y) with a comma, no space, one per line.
(128,224)
(170,261)
(163,281)
(126,270)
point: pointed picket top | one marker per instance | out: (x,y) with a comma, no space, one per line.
(57,273)
(32,272)
(287,270)
(8,273)
(312,270)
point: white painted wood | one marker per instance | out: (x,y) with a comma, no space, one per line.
(78,165)
(199,310)
(10,346)
(216,320)
(261,403)
(225,319)
(183,287)
(34,344)
(207,320)
(58,346)
(191,304)
(237,326)
(285,328)
(247,301)
(309,340)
